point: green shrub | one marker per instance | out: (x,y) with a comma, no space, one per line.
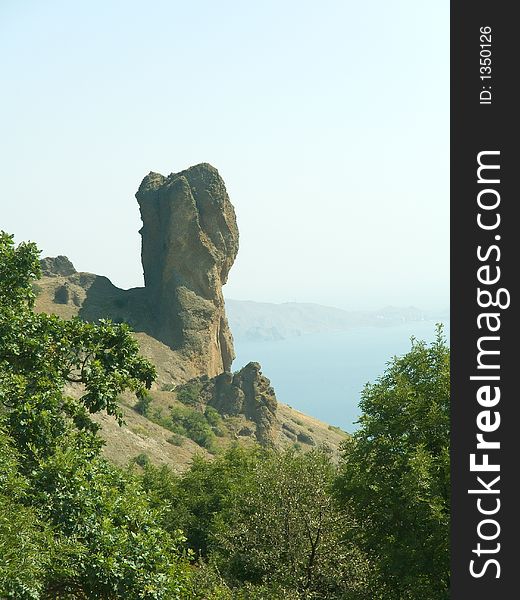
(190,422)
(215,420)
(189,393)
(175,439)
(142,406)
(142,459)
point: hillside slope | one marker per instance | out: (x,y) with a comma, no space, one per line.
(151,437)
(189,244)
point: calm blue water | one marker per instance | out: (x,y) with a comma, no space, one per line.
(323,374)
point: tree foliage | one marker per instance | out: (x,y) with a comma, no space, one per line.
(257,524)
(25,542)
(283,527)
(195,500)
(395,473)
(40,354)
(267,523)
(71,525)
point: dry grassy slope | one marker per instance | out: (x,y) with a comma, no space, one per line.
(141,435)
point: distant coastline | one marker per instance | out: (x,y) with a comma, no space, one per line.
(263,321)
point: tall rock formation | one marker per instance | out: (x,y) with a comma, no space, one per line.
(189,243)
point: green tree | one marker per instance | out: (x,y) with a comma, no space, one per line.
(194,500)
(282,529)
(395,473)
(25,552)
(40,354)
(71,525)
(120,550)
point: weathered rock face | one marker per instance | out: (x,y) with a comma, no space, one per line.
(56,266)
(246,392)
(249,392)
(189,243)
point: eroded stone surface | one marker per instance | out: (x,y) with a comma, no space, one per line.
(189,243)
(247,392)
(57,265)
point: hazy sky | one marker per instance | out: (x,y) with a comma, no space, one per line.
(329,122)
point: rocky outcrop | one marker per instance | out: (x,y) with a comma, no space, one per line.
(246,392)
(189,243)
(57,266)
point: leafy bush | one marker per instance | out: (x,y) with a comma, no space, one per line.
(175,439)
(25,542)
(215,420)
(194,500)
(189,393)
(193,424)
(142,459)
(190,423)
(142,406)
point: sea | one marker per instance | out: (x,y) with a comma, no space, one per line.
(322,374)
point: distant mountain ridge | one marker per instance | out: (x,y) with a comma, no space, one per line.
(264,321)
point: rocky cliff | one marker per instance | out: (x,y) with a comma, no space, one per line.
(189,244)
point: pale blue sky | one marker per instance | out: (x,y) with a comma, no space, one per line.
(329,122)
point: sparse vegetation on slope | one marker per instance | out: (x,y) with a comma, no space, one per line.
(150,432)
